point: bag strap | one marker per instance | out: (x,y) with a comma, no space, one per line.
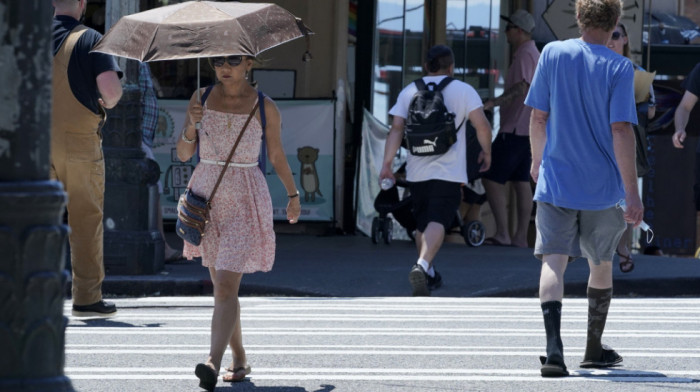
(263,122)
(420,84)
(443,83)
(206,94)
(233,149)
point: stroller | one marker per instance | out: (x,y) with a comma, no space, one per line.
(388,201)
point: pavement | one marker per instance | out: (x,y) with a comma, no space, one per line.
(311,265)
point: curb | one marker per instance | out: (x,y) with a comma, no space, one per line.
(127,287)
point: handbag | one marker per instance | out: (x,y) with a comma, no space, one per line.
(193,210)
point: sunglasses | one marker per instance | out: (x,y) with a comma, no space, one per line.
(511,26)
(616,35)
(231,60)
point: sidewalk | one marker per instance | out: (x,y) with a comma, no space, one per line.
(351,266)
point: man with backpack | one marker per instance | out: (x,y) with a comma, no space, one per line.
(431,114)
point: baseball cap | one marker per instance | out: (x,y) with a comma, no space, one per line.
(522,19)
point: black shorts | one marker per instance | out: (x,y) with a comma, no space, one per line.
(696,187)
(435,201)
(511,159)
(471,197)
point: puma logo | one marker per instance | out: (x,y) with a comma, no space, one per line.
(433,142)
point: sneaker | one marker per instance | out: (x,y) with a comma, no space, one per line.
(608,358)
(98,309)
(435,282)
(419,281)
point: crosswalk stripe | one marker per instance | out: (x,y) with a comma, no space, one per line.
(366,352)
(401,377)
(261,370)
(389,318)
(356,346)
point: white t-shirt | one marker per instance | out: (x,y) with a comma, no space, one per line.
(461,99)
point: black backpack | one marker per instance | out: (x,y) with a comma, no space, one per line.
(430,127)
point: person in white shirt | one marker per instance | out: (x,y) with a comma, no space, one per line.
(435,180)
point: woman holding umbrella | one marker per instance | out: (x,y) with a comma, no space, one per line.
(239,235)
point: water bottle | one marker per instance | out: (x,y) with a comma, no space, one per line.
(643,225)
(386,184)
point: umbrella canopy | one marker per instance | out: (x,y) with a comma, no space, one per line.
(197,29)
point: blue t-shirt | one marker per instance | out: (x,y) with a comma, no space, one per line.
(584,88)
(83,66)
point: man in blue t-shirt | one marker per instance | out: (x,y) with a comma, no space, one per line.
(84,84)
(690,98)
(583,161)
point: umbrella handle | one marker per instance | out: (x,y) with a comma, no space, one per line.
(198,125)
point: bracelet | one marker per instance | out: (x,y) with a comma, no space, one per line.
(185,139)
(294,195)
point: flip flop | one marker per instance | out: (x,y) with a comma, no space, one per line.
(495,242)
(237,375)
(207,376)
(609,358)
(552,369)
(626,262)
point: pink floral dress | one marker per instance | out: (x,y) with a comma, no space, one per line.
(239,236)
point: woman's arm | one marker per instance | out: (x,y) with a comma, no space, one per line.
(188,138)
(278,158)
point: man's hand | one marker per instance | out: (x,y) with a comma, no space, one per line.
(634,210)
(535,171)
(678,138)
(386,173)
(485,161)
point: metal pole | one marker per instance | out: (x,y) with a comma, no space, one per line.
(198,125)
(648,67)
(32,236)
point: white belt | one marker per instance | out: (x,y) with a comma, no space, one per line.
(230,164)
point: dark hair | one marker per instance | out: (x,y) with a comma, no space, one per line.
(626,47)
(439,57)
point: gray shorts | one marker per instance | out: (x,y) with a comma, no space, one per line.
(575,233)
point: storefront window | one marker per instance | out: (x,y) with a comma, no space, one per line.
(471,32)
(414,52)
(388,57)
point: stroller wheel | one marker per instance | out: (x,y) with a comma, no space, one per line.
(474,233)
(388,229)
(375,230)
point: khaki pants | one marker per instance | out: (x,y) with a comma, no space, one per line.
(77,161)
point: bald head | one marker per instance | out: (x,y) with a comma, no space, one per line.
(74,8)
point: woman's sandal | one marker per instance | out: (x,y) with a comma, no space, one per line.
(626,262)
(237,375)
(207,376)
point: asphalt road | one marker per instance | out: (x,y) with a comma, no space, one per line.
(384,344)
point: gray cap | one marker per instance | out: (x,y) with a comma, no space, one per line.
(522,19)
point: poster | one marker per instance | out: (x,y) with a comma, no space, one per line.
(308,137)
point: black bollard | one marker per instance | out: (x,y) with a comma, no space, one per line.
(131,245)
(32,236)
